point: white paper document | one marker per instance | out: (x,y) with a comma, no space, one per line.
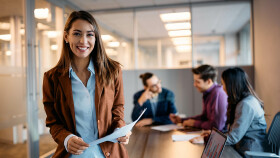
(165,128)
(118,133)
(185,137)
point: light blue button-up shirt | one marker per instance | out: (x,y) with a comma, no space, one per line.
(85,114)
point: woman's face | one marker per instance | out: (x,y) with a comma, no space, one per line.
(224,86)
(81,38)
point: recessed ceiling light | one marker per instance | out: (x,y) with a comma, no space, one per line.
(41,13)
(183,49)
(181,40)
(178,26)
(171,17)
(179,33)
(54,47)
(113,44)
(106,38)
(6,37)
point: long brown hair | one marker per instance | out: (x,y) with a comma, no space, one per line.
(107,69)
(238,87)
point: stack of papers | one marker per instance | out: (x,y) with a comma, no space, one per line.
(188,136)
(165,128)
(117,133)
(185,137)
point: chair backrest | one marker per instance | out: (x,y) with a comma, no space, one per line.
(274,133)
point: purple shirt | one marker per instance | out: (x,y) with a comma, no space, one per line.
(214,109)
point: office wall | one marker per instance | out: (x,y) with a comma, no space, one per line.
(188,101)
(267,54)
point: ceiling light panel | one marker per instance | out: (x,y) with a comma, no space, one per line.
(179,33)
(172,17)
(178,26)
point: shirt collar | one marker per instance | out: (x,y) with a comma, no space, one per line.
(90,68)
(210,89)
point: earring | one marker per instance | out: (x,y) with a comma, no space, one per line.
(66,41)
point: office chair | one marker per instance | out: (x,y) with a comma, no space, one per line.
(273,139)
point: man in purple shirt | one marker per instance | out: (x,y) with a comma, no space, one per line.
(214,101)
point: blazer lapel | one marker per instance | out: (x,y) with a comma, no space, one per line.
(98,92)
(65,83)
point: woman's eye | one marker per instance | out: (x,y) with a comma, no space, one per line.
(90,34)
(76,34)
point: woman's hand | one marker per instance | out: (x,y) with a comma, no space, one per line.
(197,140)
(200,139)
(76,145)
(205,133)
(124,139)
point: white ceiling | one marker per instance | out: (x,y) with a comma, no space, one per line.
(206,20)
(106,4)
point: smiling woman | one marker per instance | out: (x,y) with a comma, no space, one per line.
(81,39)
(80,91)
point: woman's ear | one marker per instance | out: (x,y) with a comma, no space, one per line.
(65,36)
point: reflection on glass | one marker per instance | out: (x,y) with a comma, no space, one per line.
(221,34)
(12,72)
(117,36)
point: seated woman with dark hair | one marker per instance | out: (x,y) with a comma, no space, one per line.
(247,125)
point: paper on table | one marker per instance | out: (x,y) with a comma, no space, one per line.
(165,128)
(185,137)
(118,133)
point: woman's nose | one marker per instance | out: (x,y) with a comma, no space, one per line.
(83,39)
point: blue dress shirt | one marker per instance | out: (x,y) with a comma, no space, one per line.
(85,114)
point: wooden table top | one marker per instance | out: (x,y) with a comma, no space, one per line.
(147,143)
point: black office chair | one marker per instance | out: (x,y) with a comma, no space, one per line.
(273,139)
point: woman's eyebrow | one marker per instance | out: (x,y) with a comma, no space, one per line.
(81,31)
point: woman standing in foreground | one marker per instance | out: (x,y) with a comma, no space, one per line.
(83,94)
(245,115)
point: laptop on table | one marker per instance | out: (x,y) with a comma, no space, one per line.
(215,144)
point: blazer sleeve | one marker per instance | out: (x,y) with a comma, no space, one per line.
(137,109)
(57,128)
(244,115)
(118,105)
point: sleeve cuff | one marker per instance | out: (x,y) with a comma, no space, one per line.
(197,124)
(66,140)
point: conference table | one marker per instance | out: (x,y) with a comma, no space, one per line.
(148,143)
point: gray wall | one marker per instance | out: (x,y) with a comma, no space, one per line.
(267,54)
(180,81)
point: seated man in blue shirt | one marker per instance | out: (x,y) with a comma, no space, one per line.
(158,101)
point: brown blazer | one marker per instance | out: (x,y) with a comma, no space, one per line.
(59,107)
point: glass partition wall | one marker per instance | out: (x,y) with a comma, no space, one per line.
(179,36)
(49,21)
(12,72)
(221,34)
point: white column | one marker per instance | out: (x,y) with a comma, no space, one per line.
(15,47)
(222,52)
(31,81)
(135,40)
(159,53)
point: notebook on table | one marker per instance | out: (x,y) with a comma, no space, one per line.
(215,144)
